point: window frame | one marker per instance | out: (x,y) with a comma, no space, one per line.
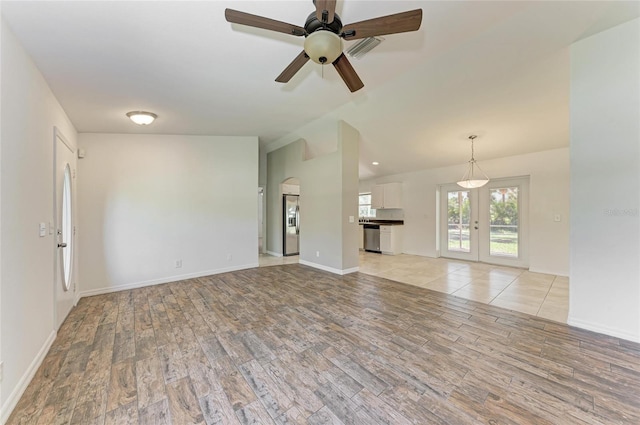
(371,211)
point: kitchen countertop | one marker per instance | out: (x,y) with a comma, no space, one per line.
(382,221)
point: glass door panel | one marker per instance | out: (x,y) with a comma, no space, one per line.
(458,223)
(458,220)
(503,221)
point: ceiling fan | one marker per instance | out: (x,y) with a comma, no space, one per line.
(323,32)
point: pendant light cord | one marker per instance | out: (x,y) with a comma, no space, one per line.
(472,157)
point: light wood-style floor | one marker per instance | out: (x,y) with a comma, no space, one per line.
(291,344)
(542,295)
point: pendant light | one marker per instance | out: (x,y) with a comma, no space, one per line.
(471,179)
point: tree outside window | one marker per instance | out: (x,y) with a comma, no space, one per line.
(365,209)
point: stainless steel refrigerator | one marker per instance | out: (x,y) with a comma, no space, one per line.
(291,225)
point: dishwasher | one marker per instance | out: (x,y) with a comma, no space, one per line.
(372,237)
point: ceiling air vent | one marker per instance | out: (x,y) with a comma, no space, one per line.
(364,46)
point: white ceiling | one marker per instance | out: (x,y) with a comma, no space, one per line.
(496,69)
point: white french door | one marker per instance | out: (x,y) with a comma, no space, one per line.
(488,224)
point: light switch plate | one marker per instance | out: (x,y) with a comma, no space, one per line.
(43,229)
(557,218)
(352,219)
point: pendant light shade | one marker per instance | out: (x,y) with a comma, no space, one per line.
(474,177)
(142,117)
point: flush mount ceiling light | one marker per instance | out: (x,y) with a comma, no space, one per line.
(375,163)
(142,117)
(471,179)
(323,46)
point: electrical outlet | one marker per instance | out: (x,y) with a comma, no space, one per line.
(317,253)
(229,257)
(178,264)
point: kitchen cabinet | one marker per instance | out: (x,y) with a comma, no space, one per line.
(391,239)
(386,196)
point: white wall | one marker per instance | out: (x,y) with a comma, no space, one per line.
(29,113)
(548,195)
(147,201)
(605,175)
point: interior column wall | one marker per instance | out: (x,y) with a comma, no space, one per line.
(605,175)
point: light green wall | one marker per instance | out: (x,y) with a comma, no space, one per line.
(328,197)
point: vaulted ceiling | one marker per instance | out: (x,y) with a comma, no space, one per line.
(496,69)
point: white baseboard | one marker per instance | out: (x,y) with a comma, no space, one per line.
(329,269)
(595,327)
(547,271)
(17,392)
(275,254)
(168,279)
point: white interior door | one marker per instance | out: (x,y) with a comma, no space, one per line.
(64,166)
(488,224)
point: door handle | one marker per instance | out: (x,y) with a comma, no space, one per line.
(62,245)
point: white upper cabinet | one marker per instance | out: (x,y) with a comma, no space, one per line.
(386,196)
(377,197)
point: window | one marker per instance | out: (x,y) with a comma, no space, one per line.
(365,209)
(67,228)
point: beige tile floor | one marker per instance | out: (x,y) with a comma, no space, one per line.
(538,294)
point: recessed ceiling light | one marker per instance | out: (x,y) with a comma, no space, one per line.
(375,163)
(142,117)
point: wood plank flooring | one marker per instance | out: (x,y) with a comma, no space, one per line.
(293,345)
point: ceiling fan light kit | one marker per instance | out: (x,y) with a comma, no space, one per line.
(324,32)
(142,117)
(471,178)
(323,46)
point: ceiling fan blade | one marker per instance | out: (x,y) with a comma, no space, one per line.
(293,67)
(348,74)
(325,9)
(243,18)
(390,24)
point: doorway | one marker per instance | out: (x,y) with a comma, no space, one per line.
(64,227)
(290,190)
(487,224)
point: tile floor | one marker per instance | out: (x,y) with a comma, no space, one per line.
(515,289)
